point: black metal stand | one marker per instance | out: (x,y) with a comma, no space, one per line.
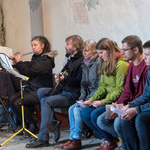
(6,107)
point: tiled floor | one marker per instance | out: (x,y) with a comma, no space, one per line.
(18,142)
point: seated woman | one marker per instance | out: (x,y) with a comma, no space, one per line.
(39,71)
(113,71)
(89,85)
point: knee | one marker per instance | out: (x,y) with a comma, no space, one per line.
(39,92)
(71,108)
(84,116)
(118,124)
(43,102)
(93,117)
(138,122)
(100,121)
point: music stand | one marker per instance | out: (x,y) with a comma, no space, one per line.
(4,60)
(22,88)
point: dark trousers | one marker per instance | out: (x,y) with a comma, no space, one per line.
(30,99)
(48,103)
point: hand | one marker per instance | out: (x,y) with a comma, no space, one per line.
(58,78)
(125,107)
(96,104)
(79,102)
(130,113)
(87,103)
(16,58)
(113,115)
(120,106)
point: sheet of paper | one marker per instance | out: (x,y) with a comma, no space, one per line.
(117,110)
(15,73)
(4,60)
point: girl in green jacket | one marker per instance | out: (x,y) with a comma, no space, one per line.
(113,71)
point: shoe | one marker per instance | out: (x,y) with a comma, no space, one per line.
(38,143)
(74,145)
(33,128)
(65,144)
(56,129)
(107,145)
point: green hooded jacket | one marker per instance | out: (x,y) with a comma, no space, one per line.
(111,87)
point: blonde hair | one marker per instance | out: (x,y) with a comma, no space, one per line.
(77,42)
(91,44)
(112,47)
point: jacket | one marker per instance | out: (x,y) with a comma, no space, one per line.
(143,102)
(73,79)
(90,78)
(39,71)
(112,86)
(129,92)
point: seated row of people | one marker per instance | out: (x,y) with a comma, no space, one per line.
(114,71)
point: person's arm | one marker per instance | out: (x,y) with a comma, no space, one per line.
(126,94)
(101,92)
(84,86)
(33,70)
(121,70)
(145,97)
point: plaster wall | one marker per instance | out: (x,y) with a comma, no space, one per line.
(17,25)
(114,19)
(91,19)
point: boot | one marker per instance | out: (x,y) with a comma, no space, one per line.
(56,129)
(74,145)
(38,143)
(65,144)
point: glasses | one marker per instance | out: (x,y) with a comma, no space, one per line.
(124,50)
(86,51)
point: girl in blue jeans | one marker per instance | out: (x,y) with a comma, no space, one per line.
(113,71)
(89,84)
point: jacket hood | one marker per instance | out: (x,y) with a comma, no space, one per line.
(51,54)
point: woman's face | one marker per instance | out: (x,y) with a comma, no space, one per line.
(37,46)
(87,53)
(104,54)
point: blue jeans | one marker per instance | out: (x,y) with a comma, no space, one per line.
(107,126)
(142,124)
(128,134)
(139,127)
(76,123)
(63,100)
(89,115)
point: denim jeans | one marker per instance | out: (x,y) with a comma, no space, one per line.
(63,100)
(89,116)
(107,126)
(76,123)
(142,124)
(128,134)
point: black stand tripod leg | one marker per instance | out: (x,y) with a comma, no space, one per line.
(8,113)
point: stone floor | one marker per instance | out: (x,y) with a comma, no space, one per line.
(18,142)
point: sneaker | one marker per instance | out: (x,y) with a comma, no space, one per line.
(65,144)
(107,145)
(74,145)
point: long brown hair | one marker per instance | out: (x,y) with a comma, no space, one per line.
(112,47)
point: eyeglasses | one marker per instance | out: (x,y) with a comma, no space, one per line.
(86,51)
(124,50)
